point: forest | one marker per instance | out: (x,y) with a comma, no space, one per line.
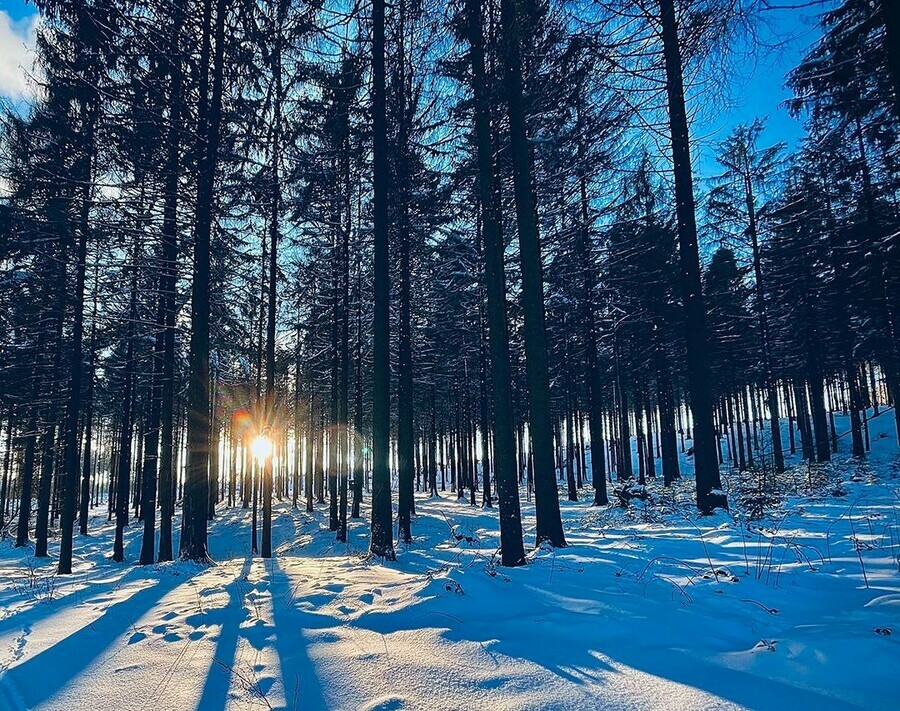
(453,296)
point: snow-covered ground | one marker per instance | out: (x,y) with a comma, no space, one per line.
(652,607)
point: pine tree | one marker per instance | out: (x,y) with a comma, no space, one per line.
(194,528)
(549,521)
(511,545)
(382,539)
(739,203)
(706,463)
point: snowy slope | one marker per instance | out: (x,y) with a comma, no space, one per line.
(647,608)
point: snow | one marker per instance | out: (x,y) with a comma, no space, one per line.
(649,607)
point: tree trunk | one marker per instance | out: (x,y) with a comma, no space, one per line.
(382,544)
(706,463)
(85,501)
(194,529)
(512,549)
(274,235)
(549,521)
(71,468)
(762,315)
(123,468)
(26,476)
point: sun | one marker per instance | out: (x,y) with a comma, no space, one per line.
(261,448)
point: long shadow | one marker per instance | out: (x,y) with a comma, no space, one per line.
(634,643)
(223,542)
(218,680)
(302,688)
(561,655)
(738,686)
(40,677)
(575,661)
(570,657)
(70,591)
(284,528)
(42,609)
(574,658)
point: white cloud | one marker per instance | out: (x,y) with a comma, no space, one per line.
(17,39)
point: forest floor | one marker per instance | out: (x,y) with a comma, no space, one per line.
(648,607)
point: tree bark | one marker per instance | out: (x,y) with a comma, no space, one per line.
(706,462)
(512,549)
(549,520)
(381,544)
(196,496)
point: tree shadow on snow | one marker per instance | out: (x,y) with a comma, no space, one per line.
(218,680)
(579,659)
(302,687)
(47,593)
(589,658)
(41,677)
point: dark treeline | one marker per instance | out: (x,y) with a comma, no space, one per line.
(322,252)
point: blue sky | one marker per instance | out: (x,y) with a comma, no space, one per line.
(757,89)
(17,26)
(16,9)
(754,90)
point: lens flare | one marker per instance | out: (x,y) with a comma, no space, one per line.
(261,448)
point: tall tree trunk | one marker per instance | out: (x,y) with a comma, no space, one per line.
(334,425)
(484,410)
(358,450)
(26,477)
(194,529)
(762,314)
(123,468)
(816,383)
(48,436)
(593,376)
(512,548)
(214,476)
(274,235)
(549,520)
(806,444)
(382,544)
(71,470)
(85,501)
(310,457)
(298,434)
(706,461)
(152,431)
(347,88)
(168,281)
(405,434)
(432,445)
(666,402)
(569,424)
(624,469)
